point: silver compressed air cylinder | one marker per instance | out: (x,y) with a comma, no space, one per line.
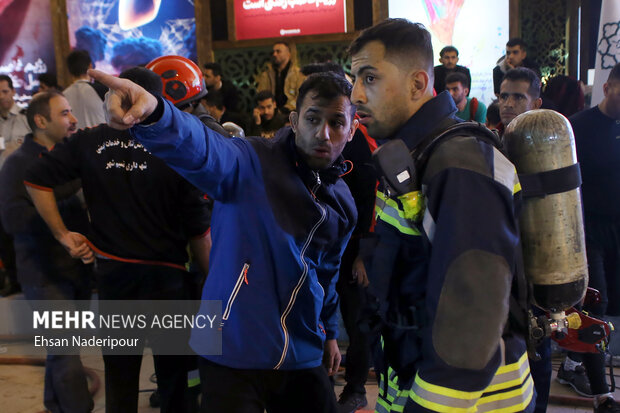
(552,232)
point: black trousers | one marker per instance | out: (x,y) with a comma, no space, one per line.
(603,251)
(228,390)
(124,281)
(7,254)
(352,300)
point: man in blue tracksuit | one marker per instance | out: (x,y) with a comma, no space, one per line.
(281,220)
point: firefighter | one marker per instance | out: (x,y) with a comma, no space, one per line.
(443,279)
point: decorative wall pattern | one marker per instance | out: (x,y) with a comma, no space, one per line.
(242,65)
(543,28)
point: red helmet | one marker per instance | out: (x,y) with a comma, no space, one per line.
(182,79)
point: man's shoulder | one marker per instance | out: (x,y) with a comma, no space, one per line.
(586,116)
(464,151)
(228,86)
(462,69)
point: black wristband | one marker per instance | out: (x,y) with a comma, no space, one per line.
(157,113)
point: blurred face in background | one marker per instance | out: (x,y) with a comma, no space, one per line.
(449,60)
(515,55)
(280,55)
(6,96)
(267,109)
(515,100)
(458,92)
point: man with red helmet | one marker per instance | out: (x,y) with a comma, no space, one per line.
(184,85)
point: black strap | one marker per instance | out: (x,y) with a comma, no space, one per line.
(550,182)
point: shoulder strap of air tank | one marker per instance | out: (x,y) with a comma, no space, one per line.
(475,129)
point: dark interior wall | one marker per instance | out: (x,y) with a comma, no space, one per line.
(594,19)
(219,22)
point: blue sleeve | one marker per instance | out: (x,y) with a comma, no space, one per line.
(328,277)
(207,159)
(329,312)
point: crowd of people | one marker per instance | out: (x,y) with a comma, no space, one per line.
(423,276)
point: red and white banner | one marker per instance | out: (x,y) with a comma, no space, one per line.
(258,19)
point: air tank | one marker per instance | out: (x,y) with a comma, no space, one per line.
(552,234)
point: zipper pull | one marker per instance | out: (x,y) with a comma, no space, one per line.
(318,177)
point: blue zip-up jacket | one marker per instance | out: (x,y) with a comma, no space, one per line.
(278,231)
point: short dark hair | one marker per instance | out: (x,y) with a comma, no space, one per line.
(457,77)
(327,85)
(40,105)
(311,68)
(215,99)
(49,79)
(264,95)
(524,74)
(78,62)
(448,49)
(144,77)
(214,67)
(7,79)
(282,42)
(493,113)
(400,37)
(614,74)
(516,41)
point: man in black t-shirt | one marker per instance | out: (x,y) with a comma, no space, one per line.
(142,216)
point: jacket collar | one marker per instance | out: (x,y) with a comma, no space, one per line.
(426,120)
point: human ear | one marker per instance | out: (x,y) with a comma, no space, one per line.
(293,117)
(40,121)
(419,81)
(354,124)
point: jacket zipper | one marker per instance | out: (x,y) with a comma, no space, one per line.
(304,274)
(235,291)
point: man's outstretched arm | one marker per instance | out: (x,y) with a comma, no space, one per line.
(75,243)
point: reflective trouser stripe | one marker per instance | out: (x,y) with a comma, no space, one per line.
(193,378)
(395,399)
(513,401)
(387,210)
(512,388)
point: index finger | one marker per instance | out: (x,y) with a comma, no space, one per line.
(112,82)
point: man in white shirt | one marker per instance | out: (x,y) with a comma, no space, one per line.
(86,103)
(13,124)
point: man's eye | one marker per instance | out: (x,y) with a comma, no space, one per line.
(370,78)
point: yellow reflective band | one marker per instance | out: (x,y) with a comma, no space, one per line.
(445,391)
(439,407)
(517,407)
(513,366)
(383,404)
(391,203)
(395,223)
(509,383)
(516,188)
(193,382)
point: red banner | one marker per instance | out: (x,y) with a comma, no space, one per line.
(258,19)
